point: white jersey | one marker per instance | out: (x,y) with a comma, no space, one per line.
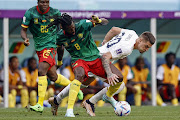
(121,45)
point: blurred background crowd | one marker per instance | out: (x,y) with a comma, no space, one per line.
(23,80)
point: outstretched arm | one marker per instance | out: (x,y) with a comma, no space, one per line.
(96,21)
(112,78)
(24,36)
(111,33)
(60,52)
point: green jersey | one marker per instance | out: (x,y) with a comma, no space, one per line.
(37,23)
(81,45)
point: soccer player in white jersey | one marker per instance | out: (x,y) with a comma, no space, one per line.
(117,44)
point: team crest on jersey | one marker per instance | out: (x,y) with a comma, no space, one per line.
(118,51)
(80,35)
(51,20)
(35,20)
(44,20)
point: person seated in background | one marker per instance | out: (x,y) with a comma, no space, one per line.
(29,76)
(168,76)
(16,87)
(140,82)
(121,65)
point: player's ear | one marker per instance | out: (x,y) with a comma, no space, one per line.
(60,26)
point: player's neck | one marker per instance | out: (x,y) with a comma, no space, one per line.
(136,44)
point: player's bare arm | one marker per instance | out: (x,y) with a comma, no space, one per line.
(60,52)
(112,78)
(24,36)
(96,21)
(111,33)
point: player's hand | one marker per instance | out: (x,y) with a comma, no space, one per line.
(26,42)
(112,79)
(96,19)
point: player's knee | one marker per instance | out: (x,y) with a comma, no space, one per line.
(79,77)
(53,77)
(24,92)
(41,72)
(33,94)
(138,89)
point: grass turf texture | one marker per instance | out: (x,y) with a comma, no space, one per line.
(104,113)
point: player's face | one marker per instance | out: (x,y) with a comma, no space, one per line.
(144,46)
(14,63)
(140,64)
(43,5)
(70,30)
(32,65)
(171,60)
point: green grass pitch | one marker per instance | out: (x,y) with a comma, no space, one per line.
(104,113)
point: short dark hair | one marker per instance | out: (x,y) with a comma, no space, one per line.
(11,58)
(138,60)
(148,36)
(31,59)
(169,54)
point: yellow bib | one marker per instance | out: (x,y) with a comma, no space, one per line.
(31,78)
(171,76)
(124,71)
(140,76)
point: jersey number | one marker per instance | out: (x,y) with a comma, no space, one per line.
(115,40)
(77,46)
(43,29)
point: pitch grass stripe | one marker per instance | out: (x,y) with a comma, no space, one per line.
(102,113)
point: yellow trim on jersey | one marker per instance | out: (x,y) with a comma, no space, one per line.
(24,26)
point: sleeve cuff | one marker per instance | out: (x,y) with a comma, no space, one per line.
(24,26)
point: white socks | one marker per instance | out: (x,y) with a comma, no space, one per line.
(63,94)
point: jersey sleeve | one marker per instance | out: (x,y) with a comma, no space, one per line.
(160,73)
(87,24)
(59,38)
(26,19)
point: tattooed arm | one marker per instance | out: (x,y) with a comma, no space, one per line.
(111,77)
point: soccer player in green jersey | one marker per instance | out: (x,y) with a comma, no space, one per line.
(37,19)
(78,41)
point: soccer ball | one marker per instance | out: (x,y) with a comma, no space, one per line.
(122,108)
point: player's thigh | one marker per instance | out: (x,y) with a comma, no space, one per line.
(79,73)
(43,68)
(88,81)
(52,74)
(117,72)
